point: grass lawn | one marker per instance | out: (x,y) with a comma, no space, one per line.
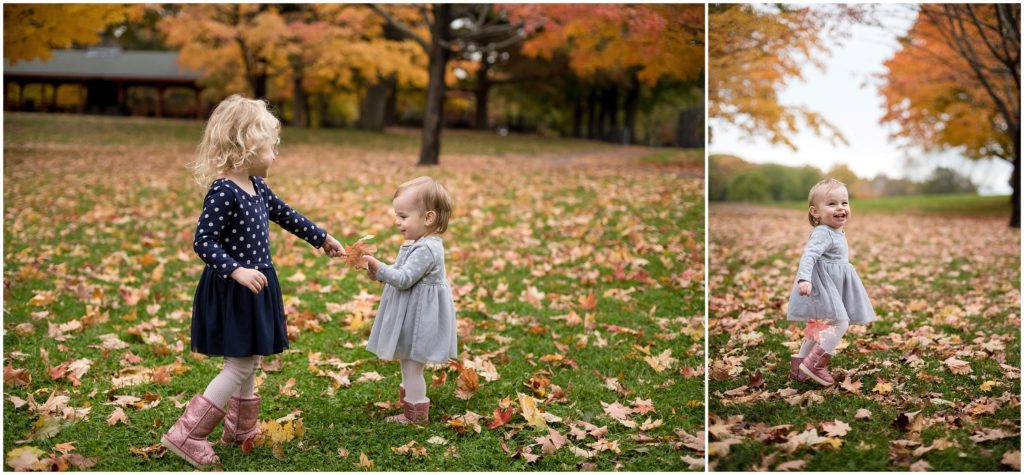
(948,205)
(933,384)
(99,274)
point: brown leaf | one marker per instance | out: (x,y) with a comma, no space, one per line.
(467,384)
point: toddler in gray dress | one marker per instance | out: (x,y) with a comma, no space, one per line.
(415,321)
(828,294)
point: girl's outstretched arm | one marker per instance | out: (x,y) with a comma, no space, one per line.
(420,261)
(289,219)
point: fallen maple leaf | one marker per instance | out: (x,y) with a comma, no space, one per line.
(662,362)
(359,249)
(616,411)
(814,328)
(528,406)
(364,462)
(551,442)
(862,414)
(1011,459)
(117,416)
(957,366)
(836,428)
(26,459)
(467,384)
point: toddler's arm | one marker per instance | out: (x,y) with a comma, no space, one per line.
(420,261)
(817,244)
(217,205)
(291,220)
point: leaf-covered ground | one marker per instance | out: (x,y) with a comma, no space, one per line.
(577,268)
(934,384)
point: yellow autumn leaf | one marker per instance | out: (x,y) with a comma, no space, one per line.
(364,461)
(528,405)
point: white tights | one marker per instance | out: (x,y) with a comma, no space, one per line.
(413,382)
(828,338)
(236,379)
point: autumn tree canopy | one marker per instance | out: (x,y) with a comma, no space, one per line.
(754,52)
(32,31)
(955,84)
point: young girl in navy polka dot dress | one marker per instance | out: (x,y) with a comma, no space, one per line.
(415,321)
(237,312)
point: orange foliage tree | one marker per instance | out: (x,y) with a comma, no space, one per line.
(955,84)
(628,46)
(753,52)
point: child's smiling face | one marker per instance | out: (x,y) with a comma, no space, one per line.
(409,216)
(833,208)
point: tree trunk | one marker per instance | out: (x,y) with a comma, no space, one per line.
(259,85)
(391,107)
(322,103)
(577,116)
(631,105)
(433,116)
(613,114)
(602,117)
(592,114)
(373,108)
(1015,181)
(483,87)
(300,102)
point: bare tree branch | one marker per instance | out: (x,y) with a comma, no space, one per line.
(402,27)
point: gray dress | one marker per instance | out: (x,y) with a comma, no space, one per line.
(836,291)
(416,317)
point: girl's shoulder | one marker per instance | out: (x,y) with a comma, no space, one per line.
(222,188)
(822,232)
(433,243)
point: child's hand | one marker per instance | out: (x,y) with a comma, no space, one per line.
(252,279)
(804,288)
(372,264)
(333,248)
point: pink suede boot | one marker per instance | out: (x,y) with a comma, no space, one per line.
(412,413)
(794,369)
(187,437)
(815,366)
(242,420)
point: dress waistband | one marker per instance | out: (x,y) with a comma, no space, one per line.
(835,261)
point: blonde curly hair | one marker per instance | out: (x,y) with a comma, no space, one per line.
(817,191)
(237,131)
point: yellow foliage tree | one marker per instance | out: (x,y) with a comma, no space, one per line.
(31,31)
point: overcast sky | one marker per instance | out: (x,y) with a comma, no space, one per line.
(846,94)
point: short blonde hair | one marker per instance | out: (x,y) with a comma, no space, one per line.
(817,191)
(238,129)
(431,196)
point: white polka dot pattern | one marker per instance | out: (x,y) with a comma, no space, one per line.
(222,220)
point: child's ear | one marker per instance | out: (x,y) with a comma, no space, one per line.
(430,217)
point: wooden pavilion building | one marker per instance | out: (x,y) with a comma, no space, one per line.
(103,78)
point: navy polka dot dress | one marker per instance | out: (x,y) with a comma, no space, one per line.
(233,231)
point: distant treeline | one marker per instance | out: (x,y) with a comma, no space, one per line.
(730,178)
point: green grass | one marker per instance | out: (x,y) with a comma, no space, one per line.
(26,128)
(86,199)
(950,283)
(963,205)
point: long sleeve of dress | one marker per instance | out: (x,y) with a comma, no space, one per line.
(218,207)
(420,261)
(817,244)
(291,220)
